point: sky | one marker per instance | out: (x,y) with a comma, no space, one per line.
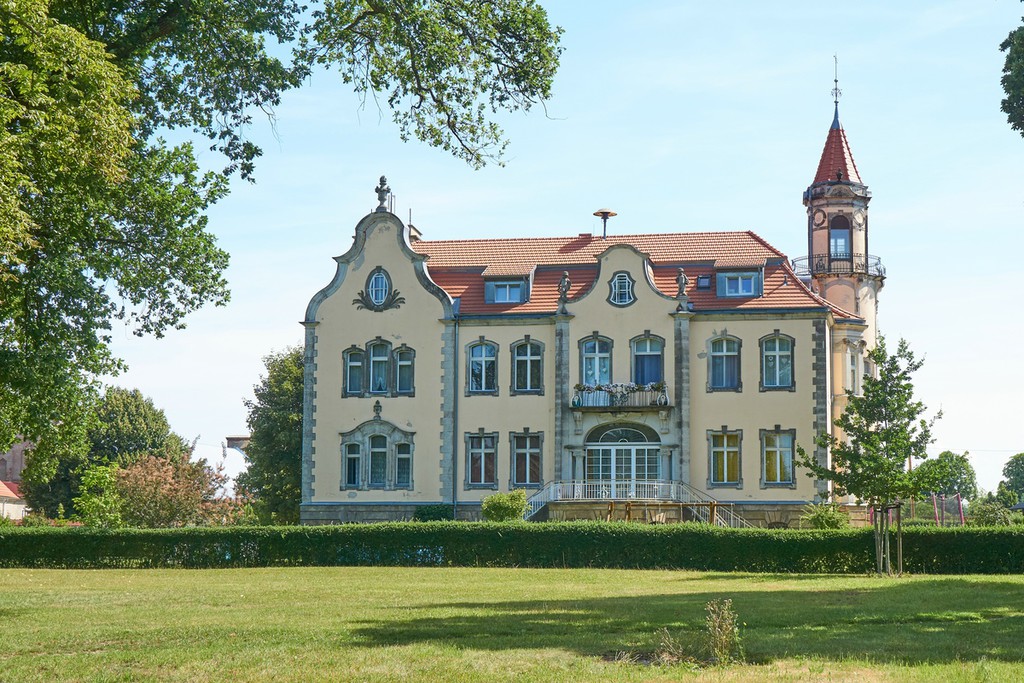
(679,116)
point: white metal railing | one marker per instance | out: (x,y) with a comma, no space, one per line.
(702,506)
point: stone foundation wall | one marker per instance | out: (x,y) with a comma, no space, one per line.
(346,513)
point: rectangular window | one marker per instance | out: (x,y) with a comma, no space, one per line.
(777,454)
(724,458)
(739,284)
(354,373)
(404,363)
(597,361)
(839,244)
(379,368)
(352,462)
(508,292)
(526,460)
(483,460)
(403,466)
(378,461)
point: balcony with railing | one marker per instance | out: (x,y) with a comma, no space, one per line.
(845,264)
(624,397)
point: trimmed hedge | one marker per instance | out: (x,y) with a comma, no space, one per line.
(568,544)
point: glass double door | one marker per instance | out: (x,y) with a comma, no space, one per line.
(619,467)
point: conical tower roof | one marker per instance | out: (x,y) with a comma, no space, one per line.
(837,159)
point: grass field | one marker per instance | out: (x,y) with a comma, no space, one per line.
(391,624)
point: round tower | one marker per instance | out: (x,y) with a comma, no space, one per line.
(838,260)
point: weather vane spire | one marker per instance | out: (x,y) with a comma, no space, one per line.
(836,92)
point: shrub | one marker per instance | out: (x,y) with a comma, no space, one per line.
(988,513)
(504,507)
(440,512)
(723,632)
(958,550)
(825,516)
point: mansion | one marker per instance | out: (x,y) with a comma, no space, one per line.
(659,377)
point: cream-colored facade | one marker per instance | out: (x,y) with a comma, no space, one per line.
(663,372)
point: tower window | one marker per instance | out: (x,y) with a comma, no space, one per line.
(839,238)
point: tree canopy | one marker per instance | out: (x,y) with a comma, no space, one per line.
(102,220)
(125,427)
(1013,474)
(882,433)
(1013,79)
(274,453)
(951,473)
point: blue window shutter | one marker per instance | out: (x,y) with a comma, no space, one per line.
(720,284)
(489,292)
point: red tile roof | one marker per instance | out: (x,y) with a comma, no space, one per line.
(837,157)
(9,489)
(460,267)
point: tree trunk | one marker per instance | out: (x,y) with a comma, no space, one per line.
(899,539)
(879,553)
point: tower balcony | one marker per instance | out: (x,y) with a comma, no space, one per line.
(850,264)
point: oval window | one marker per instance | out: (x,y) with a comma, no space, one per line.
(379,287)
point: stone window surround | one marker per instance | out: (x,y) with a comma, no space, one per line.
(791,484)
(468,349)
(614,288)
(739,363)
(724,430)
(361,436)
(481,433)
(512,390)
(391,371)
(776,334)
(596,336)
(512,484)
(632,353)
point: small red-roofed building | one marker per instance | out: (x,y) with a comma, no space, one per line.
(12,505)
(658,377)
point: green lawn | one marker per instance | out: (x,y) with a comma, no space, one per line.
(411,624)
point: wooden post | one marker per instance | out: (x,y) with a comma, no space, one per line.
(713,513)
(629,511)
(899,538)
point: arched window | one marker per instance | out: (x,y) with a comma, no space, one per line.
(527,367)
(482,375)
(839,238)
(596,360)
(378,455)
(379,353)
(648,360)
(724,365)
(777,362)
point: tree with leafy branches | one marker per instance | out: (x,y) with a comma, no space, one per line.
(1013,474)
(125,427)
(274,454)
(103,220)
(882,432)
(952,473)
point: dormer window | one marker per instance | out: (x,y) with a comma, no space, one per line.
(505,291)
(703,282)
(621,289)
(741,284)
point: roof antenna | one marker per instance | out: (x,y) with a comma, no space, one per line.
(836,92)
(604,215)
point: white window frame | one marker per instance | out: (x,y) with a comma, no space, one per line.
(783,449)
(641,347)
(592,359)
(523,354)
(721,357)
(740,284)
(403,457)
(378,287)
(508,292)
(379,367)
(350,363)
(483,447)
(621,290)
(769,383)
(522,447)
(487,358)
(405,358)
(719,446)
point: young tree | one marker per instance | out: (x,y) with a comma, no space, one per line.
(99,503)
(952,473)
(274,454)
(883,432)
(1013,474)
